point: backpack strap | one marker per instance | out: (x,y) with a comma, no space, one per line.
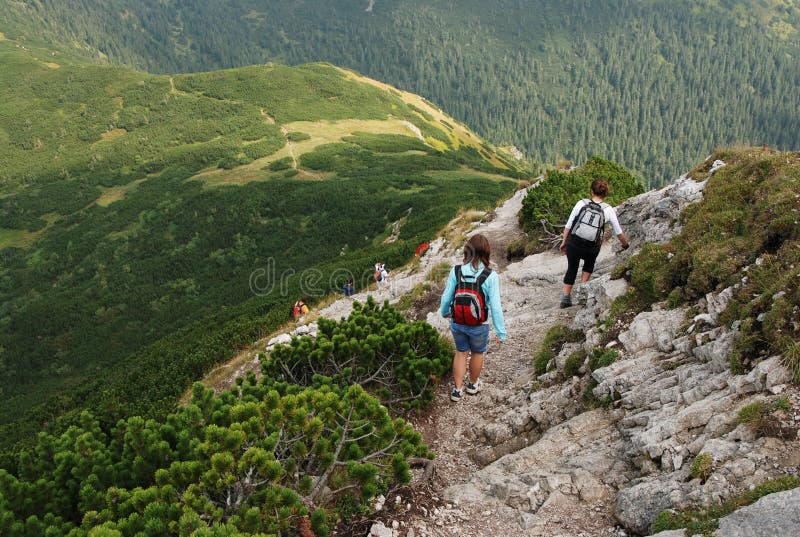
(480,279)
(459,276)
(484,275)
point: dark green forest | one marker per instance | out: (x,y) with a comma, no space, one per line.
(150,226)
(654,85)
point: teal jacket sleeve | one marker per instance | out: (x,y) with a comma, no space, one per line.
(447,295)
(491,289)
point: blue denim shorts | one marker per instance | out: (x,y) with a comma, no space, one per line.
(470,338)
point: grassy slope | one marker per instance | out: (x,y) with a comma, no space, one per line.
(135,209)
(744,234)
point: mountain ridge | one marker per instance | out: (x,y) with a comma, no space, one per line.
(633,82)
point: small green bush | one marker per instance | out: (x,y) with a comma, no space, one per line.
(675,298)
(602,358)
(701,467)
(281,164)
(515,249)
(552,199)
(791,357)
(591,400)
(649,272)
(228,163)
(555,338)
(386,143)
(297,136)
(574,362)
(762,417)
(783,404)
(400,362)
(752,414)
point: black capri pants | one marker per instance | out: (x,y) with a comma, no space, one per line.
(577,250)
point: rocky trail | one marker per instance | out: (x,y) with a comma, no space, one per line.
(541,456)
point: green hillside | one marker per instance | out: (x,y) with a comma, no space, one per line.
(151,225)
(655,85)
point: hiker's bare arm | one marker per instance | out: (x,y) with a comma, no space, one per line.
(623,240)
(563,247)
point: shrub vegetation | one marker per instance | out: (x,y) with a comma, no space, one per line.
(555,338)
(253,460)
(374,347)
(744,233)
(549,202)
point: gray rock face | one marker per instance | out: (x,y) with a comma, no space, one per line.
(596,296)
(775,515)
(653,330)
(638,506)
(653,216)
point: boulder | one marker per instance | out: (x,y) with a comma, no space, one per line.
(764,376)
(637,506)
(717,302)
(282,339)
(597,296)
(379,530)
(653,216)
(775,514)
(717,350)
(720,450)
(537,269)
(652,329)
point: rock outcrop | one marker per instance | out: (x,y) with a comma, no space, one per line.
(776,514)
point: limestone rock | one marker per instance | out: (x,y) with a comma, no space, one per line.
(717,302)
(638,506)
(652,329)
(282,339)
(717,349)
(653,216)
(597,296)
(775,514)
(538,268)
(379,530)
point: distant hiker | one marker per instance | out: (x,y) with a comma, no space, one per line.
(299,309)
(421,249)
(583,236)
(381,276)
(471,294)
(348,289)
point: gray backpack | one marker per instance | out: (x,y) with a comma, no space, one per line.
(590,223)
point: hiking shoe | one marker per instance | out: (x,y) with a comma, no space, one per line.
(473,388)
(566,302)
(455,395)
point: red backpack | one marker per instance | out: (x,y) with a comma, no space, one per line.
(469,303)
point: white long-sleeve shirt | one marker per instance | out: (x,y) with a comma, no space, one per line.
(608,211)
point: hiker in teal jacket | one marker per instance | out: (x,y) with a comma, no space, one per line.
(473,340)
